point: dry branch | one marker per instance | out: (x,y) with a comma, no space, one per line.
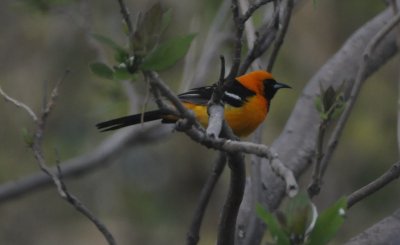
(36,146)
(101,156)
(390,175)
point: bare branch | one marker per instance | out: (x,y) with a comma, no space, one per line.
(126,16)
(385,231)
(63,192)
(281,34)
(19,104)
(316,179)
(101,156)
(61,188)
(239,21)
(47,108)
(263,40)
(239,27)
(253,7)
(231,146)
(390,175)
(166,91)
(250,33)
(287,175)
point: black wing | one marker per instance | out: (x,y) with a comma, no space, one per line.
(198,96)
(235,94)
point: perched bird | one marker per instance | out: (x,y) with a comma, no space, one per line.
(247,101)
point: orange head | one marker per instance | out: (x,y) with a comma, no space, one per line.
(261,82)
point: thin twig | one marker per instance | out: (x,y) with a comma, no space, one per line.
(126,16)
(281,35)
(19,104)
(250,34)
(239,22)
(71,199)
(38,153)
(253,7)
(315,185)
(391,174)
(193,236)
(53,96)
(99,157)
(166,91)
(239,27)
(263,40)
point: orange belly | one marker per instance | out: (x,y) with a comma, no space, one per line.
(243,120)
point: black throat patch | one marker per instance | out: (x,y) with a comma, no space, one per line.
(269,89)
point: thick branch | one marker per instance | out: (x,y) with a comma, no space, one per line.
(390,175)
(385,231)
(226,231)
(297,142)
(359,79)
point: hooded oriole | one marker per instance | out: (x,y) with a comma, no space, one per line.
(247,101)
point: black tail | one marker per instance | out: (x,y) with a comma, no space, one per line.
(129,120)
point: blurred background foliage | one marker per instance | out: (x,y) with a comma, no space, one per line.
(148,194)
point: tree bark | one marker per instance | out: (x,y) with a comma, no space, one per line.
(385,231)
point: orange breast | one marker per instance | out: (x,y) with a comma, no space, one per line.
(243,120)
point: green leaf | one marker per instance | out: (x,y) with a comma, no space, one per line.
(167,53)
(328,97)
(121,73)
(328,223)
(299,214)
(318,104)
(339,107)
(120,54)
(28,137)
(324,116)
(273,226)
(102,70)
(148,30)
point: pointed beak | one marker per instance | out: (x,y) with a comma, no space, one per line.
(281,85)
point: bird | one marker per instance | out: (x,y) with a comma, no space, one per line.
(247,101)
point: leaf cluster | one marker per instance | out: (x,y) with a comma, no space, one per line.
(298,223)
(330,103)
(146,51)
